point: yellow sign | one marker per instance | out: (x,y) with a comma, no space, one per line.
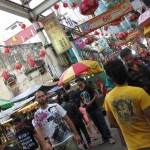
(56,33)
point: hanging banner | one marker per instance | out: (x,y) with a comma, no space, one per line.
(79,43)
(134,34)
(56,33)
(106,17)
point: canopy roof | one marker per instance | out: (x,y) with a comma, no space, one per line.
(5,104)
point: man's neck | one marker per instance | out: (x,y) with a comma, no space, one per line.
(44,106)
(118,85)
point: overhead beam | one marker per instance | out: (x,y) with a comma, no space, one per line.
(13,8)
(43,7)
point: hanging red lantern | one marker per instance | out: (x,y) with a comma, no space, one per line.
(89,40)
(102,34)
(6,50)
(73,4)
(42,53)
(122,18)
(88,7)
(105,28)
(31,62)
(5,75)
(65,5)
(96,33)
(122,35)
(133,17)
(106,34)
(18,66)
(23,26)
(56,6)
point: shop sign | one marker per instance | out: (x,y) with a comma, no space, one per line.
(79,43)
(56,33)
(134,34)
(106,17)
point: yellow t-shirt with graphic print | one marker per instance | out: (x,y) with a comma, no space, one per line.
(126,104)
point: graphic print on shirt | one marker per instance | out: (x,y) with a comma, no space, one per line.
(26,140)
(124,107)
(85,96)
(53,125)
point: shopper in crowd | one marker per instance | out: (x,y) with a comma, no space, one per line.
(128,108)
(52,121)
(26,135)
(73,95)
(89,96)
(139,75)
(77,118)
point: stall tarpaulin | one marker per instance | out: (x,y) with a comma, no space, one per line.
(106,17)
(56,33)
(5,104)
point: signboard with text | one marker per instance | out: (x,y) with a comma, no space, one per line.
(131,36)
(79,43)
(56,33)
(106,17)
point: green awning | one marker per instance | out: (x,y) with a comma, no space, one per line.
(5,104)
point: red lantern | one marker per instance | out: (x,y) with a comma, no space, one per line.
(31,62)
(5,75)
(23,26)
(42,53)
(106,34)
(73,4)
(133,17)
(105,28)
(6,50)
(96,33)
(56,6)
(88,7)
(122,35)
(18,66)
(65,5)
(89,41)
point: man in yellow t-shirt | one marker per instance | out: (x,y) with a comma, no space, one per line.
(128,108)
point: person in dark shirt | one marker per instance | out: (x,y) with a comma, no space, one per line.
(89,96)
(77,118)
(25,134)
(139,75)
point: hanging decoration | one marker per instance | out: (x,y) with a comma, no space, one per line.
(65,5)
(88,7)
(56,6)
(116,22)
(73,5)
(15,39)
(18,66)
(31,62)
(23,26)
(96,33)
(89,41)
(6,50)
(122,35)
(42,53)
(5,75)
(122,18)
(106,28)
(133,17)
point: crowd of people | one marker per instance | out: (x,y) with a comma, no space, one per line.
(79,118)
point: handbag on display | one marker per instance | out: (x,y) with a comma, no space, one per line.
(144,19)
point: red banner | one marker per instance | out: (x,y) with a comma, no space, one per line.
(131,36)
(106,17)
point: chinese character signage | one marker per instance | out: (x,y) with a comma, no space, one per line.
(106,17)
(56,34)
(132,35)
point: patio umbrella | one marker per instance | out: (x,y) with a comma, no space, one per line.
(87,67)
(5,104)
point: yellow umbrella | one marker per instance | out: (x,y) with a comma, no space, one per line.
(87,67)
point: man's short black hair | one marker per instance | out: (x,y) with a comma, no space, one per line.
(66,97)
(116,71)
(67,86)
(79,79)
(17,119)
(125,52)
